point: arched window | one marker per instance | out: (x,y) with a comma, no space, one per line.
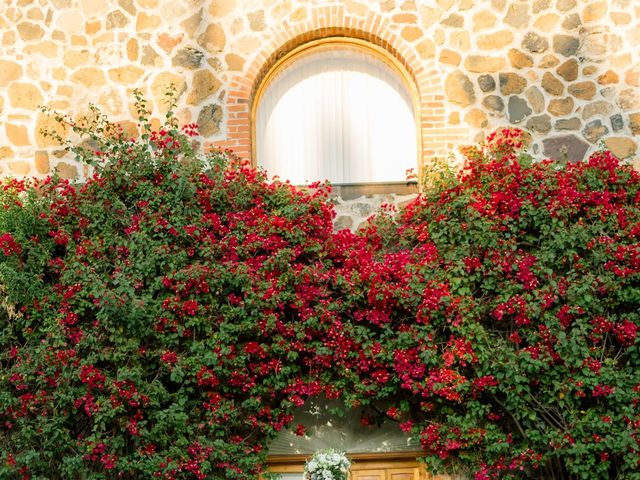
(336,111)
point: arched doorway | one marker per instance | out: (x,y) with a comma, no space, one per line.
(378,450)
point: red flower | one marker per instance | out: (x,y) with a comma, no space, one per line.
(190,307)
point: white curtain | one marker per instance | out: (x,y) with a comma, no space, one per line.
(340,115)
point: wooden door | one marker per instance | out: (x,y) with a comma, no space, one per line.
(363,467)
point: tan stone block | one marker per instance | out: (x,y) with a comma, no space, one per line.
(519,59)
(429,16)
(599,107)
(168,42)
(93,8)
(450,57)
(551,84)
(116,20)
(568,70)
(132,50)
(459,89)
(30,31)
(162,82)
(41,162)
(74,58)
(70,21)
(237,26)
(221,8)
(546,22)
(608,77)
(483,19)
(594,11)
(192,24)
(213,39)
(511,83)
(59,73)
(247,45)
(620,18)
(589,70)
(234,62)
(126,75)
(549,61)
(454,118)
(484,64)
(47,49)
(204,85)
(24,95)
(459,40)
(8,38)
(89,77)
(621,147)
(256,21)
(17,134)
(6,153)
(282,8)
(35,14)
(620,61)
(583,90)
(535,98)
(19,167)
(495,41)
(476,118)
(404,18)
(147,22)
(91,28)
(517,15)
(129,129)
(634,123)
(560,107)
(298,14)
(446,4)
(148,4)
(411,34)
(426,49)
(9,71)
(65,90)
(59,105)
(170,11)
(66,171)
(47,130)
(79,40)
(409,6)
(632,76)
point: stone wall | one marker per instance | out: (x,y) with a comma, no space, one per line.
(567,70)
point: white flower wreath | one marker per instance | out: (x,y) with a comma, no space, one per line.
(327,465)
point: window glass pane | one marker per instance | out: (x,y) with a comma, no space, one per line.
(340,114)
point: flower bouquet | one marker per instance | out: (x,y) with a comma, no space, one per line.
(327,465)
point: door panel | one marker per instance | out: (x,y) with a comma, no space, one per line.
(368,475)
(403,474)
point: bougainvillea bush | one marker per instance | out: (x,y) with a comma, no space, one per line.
(153,315)
(164,318)
(500,316)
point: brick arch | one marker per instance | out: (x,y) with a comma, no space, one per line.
(323,22)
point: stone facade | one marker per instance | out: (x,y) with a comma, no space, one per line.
(566,70)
